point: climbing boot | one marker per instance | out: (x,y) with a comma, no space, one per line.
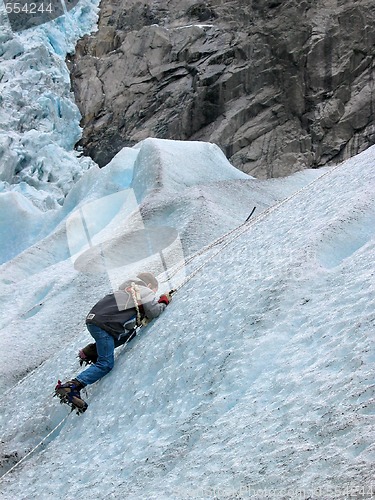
(70,394)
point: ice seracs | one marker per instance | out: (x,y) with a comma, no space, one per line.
(39,121)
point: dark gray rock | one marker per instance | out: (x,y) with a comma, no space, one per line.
(278,85)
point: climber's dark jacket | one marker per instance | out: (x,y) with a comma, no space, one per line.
(114,312)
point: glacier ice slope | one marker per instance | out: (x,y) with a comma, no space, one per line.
(40,286)
(258,375)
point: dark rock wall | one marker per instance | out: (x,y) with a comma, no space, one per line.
(278,85)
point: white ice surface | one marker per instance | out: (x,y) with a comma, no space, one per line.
(257,381)
(39,120)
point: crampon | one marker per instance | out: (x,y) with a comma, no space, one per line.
(69,394)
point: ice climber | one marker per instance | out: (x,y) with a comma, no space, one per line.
(112,322)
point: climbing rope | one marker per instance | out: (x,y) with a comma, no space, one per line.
(136,296)
(238,231)
(134,291)
(35,447)
(204,249)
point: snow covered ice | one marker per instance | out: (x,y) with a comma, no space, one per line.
(259,375)
(256,382)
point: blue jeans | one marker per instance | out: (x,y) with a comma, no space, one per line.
(105,345)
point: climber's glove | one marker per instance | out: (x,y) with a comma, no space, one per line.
(165,299)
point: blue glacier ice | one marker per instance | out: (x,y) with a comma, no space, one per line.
(256,382)
(39,122)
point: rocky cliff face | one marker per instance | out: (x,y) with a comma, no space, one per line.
(278,85)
